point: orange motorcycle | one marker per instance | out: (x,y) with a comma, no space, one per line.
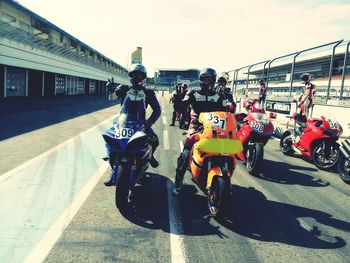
(213,157)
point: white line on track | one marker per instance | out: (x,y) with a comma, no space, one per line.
(166,140)
(12,172)
(177,248)
(164,120)
(181,146)
(44,246)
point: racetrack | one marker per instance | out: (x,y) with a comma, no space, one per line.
(289,212)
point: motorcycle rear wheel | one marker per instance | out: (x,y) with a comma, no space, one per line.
(321,161)
(254,158)
(217,194)
(122,189)
(344,169)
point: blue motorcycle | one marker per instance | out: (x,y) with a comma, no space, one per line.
(129,154)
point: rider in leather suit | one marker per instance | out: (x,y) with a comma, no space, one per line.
(134,100)
(225,91)
(204,100)
(176,100)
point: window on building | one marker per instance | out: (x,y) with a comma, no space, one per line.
(24,26)
(7,18)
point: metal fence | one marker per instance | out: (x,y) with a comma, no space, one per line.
(329,64)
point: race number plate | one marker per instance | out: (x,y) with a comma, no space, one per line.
(258,127)
(124,133)
(217,122)
(333,124)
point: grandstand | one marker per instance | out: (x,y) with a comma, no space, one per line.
(39,59)
(166,78)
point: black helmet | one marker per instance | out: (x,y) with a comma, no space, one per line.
(207,78)
(261,82)
(184,87)
(137,73)
(306,77)
(222,81)
(223,78)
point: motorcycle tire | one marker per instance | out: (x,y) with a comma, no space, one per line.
(122,189)
(317,159)
(217,194)
(286,144)
(255,157)
(344,168)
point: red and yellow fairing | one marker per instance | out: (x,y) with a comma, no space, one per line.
(219,138)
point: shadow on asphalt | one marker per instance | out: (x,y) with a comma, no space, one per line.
(286,173)
(255,217)
(22,115)
(148,205)
(248,213)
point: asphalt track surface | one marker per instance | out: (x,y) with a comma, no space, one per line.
(289,212)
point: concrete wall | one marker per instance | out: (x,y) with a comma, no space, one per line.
(20,16)
(337,113)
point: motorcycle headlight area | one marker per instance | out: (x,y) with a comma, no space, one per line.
(219,146)
(109,139)
(260,117)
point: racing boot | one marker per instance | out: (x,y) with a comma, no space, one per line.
(110,181)
(182,163)
(153,162)
(154,143)
(173,119)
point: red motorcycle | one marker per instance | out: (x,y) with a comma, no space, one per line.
(255,129)
(314,138)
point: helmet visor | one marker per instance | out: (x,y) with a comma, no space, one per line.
(137,75)
(207,80)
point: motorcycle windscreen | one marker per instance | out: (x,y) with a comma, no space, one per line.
(220,146)
(127,119)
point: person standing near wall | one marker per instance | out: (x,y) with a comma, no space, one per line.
(306,99)
(262,93)
(113,83)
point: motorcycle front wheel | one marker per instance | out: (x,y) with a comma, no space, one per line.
(320,159)
(344,168)
(255,155)
(217,194)
(122,189)
(286,144)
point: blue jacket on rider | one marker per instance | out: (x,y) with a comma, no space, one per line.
(135,101)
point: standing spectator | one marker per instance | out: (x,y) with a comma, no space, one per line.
(113,83)
(225,91)
(109,89)
(176,100)
(262,93)
(306,99)
(109,85)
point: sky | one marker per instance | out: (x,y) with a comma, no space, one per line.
(222,34)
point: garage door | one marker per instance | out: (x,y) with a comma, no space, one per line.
(16,82)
